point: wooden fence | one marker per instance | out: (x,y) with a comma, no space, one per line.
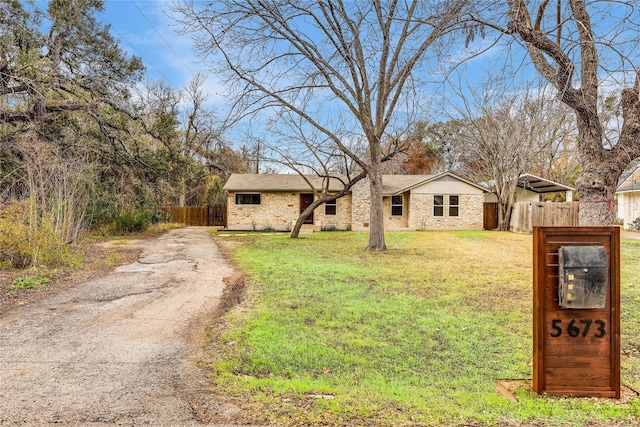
(197,215)
(526,215)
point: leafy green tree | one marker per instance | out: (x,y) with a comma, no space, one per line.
(75,66)
(216,196)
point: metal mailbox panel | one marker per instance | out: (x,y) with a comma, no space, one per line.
(583,275)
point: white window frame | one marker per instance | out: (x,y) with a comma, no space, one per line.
(395,205)
(456,206)
(333,204)
(441,206)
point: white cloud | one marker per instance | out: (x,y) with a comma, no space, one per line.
(147,30)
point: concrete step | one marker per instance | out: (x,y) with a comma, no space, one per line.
(306,229)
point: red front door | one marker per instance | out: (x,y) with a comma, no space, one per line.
(305,202)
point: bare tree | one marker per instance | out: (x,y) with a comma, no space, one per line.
(415,156)
(504,135)
(304,149)
(326,59)
(202,129)
(199,134)
(577,54)
(558,160)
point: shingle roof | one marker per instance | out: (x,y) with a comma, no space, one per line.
(394,184)
(277,183)
(391,184)
(631,187)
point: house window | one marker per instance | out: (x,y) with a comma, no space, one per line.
(396,205)
(438,205)
(247,199)
(331,208)
(454,205)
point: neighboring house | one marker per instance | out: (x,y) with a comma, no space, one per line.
(411,202)
(530,187)
(628,195)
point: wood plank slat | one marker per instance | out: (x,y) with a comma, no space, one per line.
(570,374)
(582,392)
(577,385)
(197,215)
(582,362)
(586,351)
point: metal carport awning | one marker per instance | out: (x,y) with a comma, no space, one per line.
(541,185)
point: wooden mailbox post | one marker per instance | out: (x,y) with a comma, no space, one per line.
(576,351)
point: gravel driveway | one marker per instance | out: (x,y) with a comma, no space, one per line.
(117,350)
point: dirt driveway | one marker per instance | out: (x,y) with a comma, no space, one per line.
(119,349)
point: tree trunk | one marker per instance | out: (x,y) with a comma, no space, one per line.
(601,167)
(504,216)
(598,180)
(376,214)
(183,193)
(506,198)
(596,197)
(323,199)
(295,233)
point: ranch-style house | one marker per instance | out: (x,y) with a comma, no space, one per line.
(411,202)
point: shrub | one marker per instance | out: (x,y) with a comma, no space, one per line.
(132,221)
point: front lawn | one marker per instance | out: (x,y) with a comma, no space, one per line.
(331,334)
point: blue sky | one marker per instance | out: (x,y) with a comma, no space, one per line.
(145,29)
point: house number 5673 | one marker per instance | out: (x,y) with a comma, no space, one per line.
(577,328)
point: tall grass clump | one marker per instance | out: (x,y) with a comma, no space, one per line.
(45,209)
(30,239)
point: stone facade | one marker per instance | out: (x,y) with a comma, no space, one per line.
(361,201)
(279,211)
(362,209)
(392,222)
(275,211)
(341,221)
(470,213)
(417,211)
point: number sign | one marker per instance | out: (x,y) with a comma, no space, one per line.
(574,330)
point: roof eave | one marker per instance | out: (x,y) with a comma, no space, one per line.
(436,177)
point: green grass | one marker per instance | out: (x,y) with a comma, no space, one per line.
(630,311)
(333,334)
(28,283)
